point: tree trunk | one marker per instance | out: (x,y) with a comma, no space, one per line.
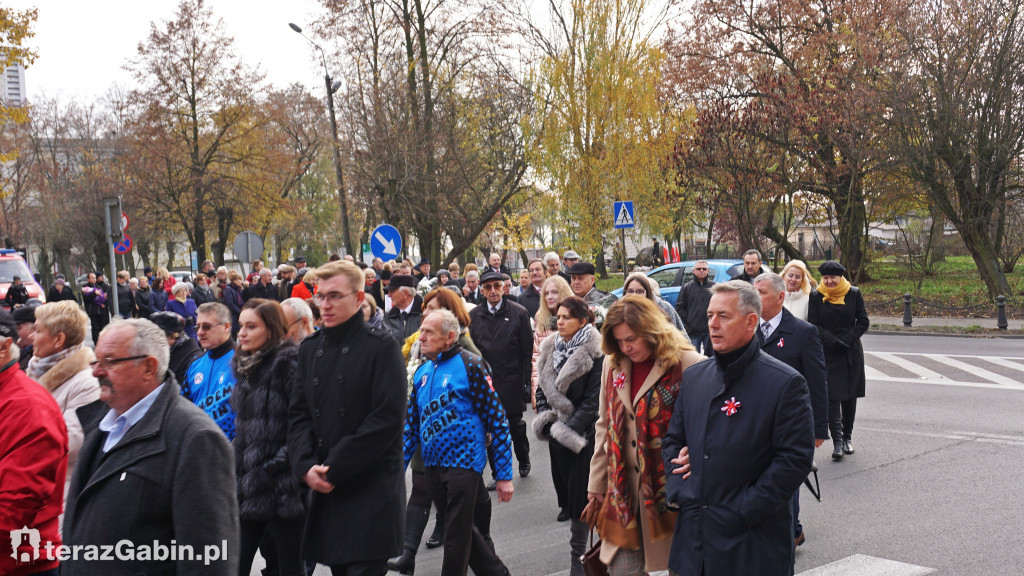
(975,236)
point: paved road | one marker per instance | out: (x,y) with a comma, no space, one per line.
(933,488)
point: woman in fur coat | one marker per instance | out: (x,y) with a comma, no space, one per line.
(61,364)
(270,501)
(568,388)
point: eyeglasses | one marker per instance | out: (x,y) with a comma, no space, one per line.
(208,327)
(640,292)
(332,297)
(108,363)
(700,268)
(490,287)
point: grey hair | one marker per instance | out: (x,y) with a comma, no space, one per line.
(551,255)
(266,272)
(300,308)
(220,311)
(150,340)
(408,290)
(449,323)
(13,353)
(748,302)
(778,284)
(133,281)
(473,274)
(222,269)
(755,253)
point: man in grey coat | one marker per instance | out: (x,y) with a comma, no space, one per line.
(154,470)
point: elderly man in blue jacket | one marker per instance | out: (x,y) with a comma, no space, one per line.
(746,419)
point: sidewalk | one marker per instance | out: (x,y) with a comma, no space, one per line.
(923,321)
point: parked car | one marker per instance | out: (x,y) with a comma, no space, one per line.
(12,264)
(671,277)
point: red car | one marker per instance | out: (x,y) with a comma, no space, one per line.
(13,264)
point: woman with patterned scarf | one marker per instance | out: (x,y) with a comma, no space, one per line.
(640,381)
(837,310)
(569,377)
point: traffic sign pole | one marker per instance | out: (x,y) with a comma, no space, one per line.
(111,216)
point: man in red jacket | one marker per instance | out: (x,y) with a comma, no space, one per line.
(33,462)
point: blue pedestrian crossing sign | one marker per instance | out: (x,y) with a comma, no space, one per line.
(623,214)
(385,242)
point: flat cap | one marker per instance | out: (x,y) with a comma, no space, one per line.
(582,268)
(831,268)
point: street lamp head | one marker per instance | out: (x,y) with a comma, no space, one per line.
(295,27)
(335,86)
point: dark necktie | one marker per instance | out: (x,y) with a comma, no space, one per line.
(766,328)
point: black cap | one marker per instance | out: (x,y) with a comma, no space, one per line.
(169,322)
(491,276)
(300,258)
(399,280)
(386,274)
(24,314)
(582,268)
(831,268)
(147,270)
(424,261)
(8,329)
(16,278)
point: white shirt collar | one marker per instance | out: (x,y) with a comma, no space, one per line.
(773,322)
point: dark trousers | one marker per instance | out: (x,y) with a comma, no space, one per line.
(464,545)
(840,418)
(702,342)
(520,443)
(98,322)
(798,528)
(373,568)
(559,474)
(286,536)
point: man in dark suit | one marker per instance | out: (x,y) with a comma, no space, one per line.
(795,342)
(530,297)
(153,466)
(747,419)
(346,417)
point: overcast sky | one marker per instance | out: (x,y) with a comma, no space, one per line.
(84,44)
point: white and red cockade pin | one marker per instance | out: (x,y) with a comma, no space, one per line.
(782,342)
(620,379)
(731,406)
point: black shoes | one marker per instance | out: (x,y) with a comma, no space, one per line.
(799,540)
(847,446)
(404,564)
(437,536)
(563,515)
(837,449)
(524,470)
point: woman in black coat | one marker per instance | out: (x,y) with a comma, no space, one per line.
(837,309)
(568,390)
(270,501)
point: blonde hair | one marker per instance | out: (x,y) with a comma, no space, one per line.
(543,316)
(66,318)
(162,273)
(356,280)
(648,322)
(808,282)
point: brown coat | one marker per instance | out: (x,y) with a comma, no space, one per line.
(655,553)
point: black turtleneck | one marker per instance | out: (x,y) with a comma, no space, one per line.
(727,358)
(336,334)
(223,349)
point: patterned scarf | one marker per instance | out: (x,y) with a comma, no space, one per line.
(37,366)
(836,295)
(565,349)
(619,524)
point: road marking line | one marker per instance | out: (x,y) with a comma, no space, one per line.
(873,373)
(862,565)
(909,366)
(972,369)
(952,355)
(955,435)
(948,382)
(1004,362)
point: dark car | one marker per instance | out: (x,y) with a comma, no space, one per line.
(671,277)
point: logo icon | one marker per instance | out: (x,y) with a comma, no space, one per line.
(22,537)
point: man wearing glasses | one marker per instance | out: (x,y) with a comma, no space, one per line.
(501,330)
(210,379)
(346,418)
(153,468)
(692,306)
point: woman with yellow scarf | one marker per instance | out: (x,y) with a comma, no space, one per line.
(837,309)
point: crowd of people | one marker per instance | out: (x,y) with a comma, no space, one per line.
(278,412)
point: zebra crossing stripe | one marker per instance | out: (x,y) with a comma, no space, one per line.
(861,565)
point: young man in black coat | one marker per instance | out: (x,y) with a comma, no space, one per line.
(346,417)
(501,330)
(746,418)
(795,342)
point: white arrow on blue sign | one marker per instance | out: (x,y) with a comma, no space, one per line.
(385,242)
(622,212)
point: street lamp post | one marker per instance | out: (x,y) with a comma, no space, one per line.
(332,87)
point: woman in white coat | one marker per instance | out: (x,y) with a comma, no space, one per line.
(799,284)
(61,364)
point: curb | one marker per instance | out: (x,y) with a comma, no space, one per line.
(947,334)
